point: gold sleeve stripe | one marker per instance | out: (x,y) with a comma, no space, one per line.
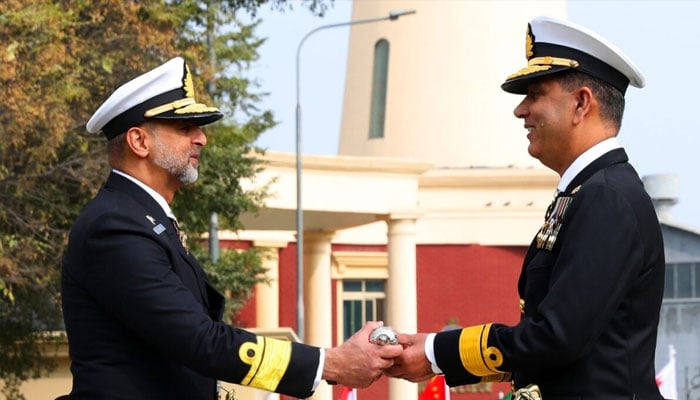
(268,360)
(503,377)
(476,357)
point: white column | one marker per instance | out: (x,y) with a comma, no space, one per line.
(318,325)
(401,289)
(267,298)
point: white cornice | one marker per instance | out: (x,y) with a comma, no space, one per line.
(507,177)
(347,163)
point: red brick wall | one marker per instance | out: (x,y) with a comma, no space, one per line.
(288,286)
(473,284)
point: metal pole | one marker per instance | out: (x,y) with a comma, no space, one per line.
(214,237)
(393,15)
(212,10)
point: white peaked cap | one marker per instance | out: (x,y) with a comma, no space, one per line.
(553,45)
(166,92)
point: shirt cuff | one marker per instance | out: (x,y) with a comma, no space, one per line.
(430,353)
(319,371)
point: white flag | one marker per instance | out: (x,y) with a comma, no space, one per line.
(666,378)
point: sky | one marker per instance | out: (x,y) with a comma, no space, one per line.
(661,36)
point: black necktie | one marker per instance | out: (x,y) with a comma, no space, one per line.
(180,234)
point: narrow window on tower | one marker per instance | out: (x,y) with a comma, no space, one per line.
(379,81)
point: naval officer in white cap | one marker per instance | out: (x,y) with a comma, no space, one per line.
(592,280)
(142,319)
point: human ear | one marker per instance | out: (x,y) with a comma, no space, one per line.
(583,98)
(137,140)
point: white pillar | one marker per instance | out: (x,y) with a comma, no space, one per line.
(401,289)
(318,324)
(267,295)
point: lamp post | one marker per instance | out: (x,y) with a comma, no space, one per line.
(393,15)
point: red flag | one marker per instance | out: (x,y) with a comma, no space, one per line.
(348,394)
(436,389)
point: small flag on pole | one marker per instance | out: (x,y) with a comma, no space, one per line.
(436,389)
(348,394)
(666,378)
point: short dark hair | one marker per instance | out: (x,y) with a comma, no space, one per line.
(612,101)
(115,149)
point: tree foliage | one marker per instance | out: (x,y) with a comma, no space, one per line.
(58,61)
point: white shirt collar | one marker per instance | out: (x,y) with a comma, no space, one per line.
(156,196)
(586,158)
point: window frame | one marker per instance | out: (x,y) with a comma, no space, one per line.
(355,265)
(672,279)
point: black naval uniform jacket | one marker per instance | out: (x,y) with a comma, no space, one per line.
(143,321)
(590,305)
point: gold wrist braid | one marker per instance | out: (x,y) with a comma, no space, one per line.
(477,358)
(268,360)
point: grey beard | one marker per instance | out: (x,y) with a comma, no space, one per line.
(181,169)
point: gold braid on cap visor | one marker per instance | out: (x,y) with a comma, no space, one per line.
(538,64)
(187,105)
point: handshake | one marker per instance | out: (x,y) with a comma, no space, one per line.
(371,353)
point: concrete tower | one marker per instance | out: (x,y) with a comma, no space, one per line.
(427,87)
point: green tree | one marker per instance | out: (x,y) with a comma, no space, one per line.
(58,61)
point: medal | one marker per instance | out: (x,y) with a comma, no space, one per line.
(548,233)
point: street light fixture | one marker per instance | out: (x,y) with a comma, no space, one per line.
(393,15)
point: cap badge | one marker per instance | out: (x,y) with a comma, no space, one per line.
(187,84)
(193,107)
(529,40)
(187,105)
